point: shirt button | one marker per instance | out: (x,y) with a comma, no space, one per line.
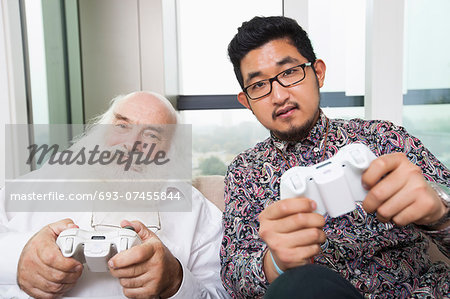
(316,149)
(357,272)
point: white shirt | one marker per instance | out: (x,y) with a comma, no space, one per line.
(194,238)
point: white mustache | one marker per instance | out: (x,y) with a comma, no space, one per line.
(116,152)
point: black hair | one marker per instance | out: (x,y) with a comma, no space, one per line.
(261,30)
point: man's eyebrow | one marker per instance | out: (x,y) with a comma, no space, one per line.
(158,129)
(121,117)
(251,76)
(155,128)
(285,60)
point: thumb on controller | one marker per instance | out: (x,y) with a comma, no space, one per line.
(57,227)
(143,232)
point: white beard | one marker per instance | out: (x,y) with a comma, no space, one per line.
(112,170)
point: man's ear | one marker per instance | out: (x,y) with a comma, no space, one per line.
(320,68)
(242,98)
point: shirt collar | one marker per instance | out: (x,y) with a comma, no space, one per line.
(314,137)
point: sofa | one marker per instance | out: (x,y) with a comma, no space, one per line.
(212,187)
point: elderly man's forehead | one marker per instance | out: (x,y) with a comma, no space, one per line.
(143,109)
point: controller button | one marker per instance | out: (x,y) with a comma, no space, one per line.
(356,155)
(123,244)
(296,182)
(68,245)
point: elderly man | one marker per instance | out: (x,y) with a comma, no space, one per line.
(179,260)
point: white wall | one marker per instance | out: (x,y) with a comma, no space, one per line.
(110,52)
(124,47)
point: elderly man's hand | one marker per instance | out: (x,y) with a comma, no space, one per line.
(148,270)
(293,233)
(398,192)
(43,272)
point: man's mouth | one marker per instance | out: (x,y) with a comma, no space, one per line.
(285,111)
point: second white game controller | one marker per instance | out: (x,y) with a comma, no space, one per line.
(95,248)
(335,184)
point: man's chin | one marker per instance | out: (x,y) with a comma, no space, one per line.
(118,172)
(136,169)
(296,133)
(293,134)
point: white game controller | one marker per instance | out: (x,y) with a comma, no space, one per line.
(335,184)
(95,248)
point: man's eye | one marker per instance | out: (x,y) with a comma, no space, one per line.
(122,126)
(148,134)
(258,85)
(290,72)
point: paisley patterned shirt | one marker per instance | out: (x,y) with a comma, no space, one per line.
(381,260)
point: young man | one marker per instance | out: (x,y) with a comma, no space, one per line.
(179,260)
(381,247)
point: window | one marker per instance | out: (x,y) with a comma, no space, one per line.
(204,31)
(219,135)
(207,79)
(426,110)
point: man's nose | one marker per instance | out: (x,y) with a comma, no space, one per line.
(133,142)
(279,93)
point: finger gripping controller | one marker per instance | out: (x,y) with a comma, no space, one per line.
(95,248)
(335,184)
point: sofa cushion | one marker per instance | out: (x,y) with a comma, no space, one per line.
(212,187)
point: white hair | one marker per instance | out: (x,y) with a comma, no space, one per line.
(108,116)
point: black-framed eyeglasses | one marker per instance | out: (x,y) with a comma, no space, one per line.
(286,78)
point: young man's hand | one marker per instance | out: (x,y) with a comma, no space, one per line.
(292,232)
(43,272)
(147,270)
(398,192)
